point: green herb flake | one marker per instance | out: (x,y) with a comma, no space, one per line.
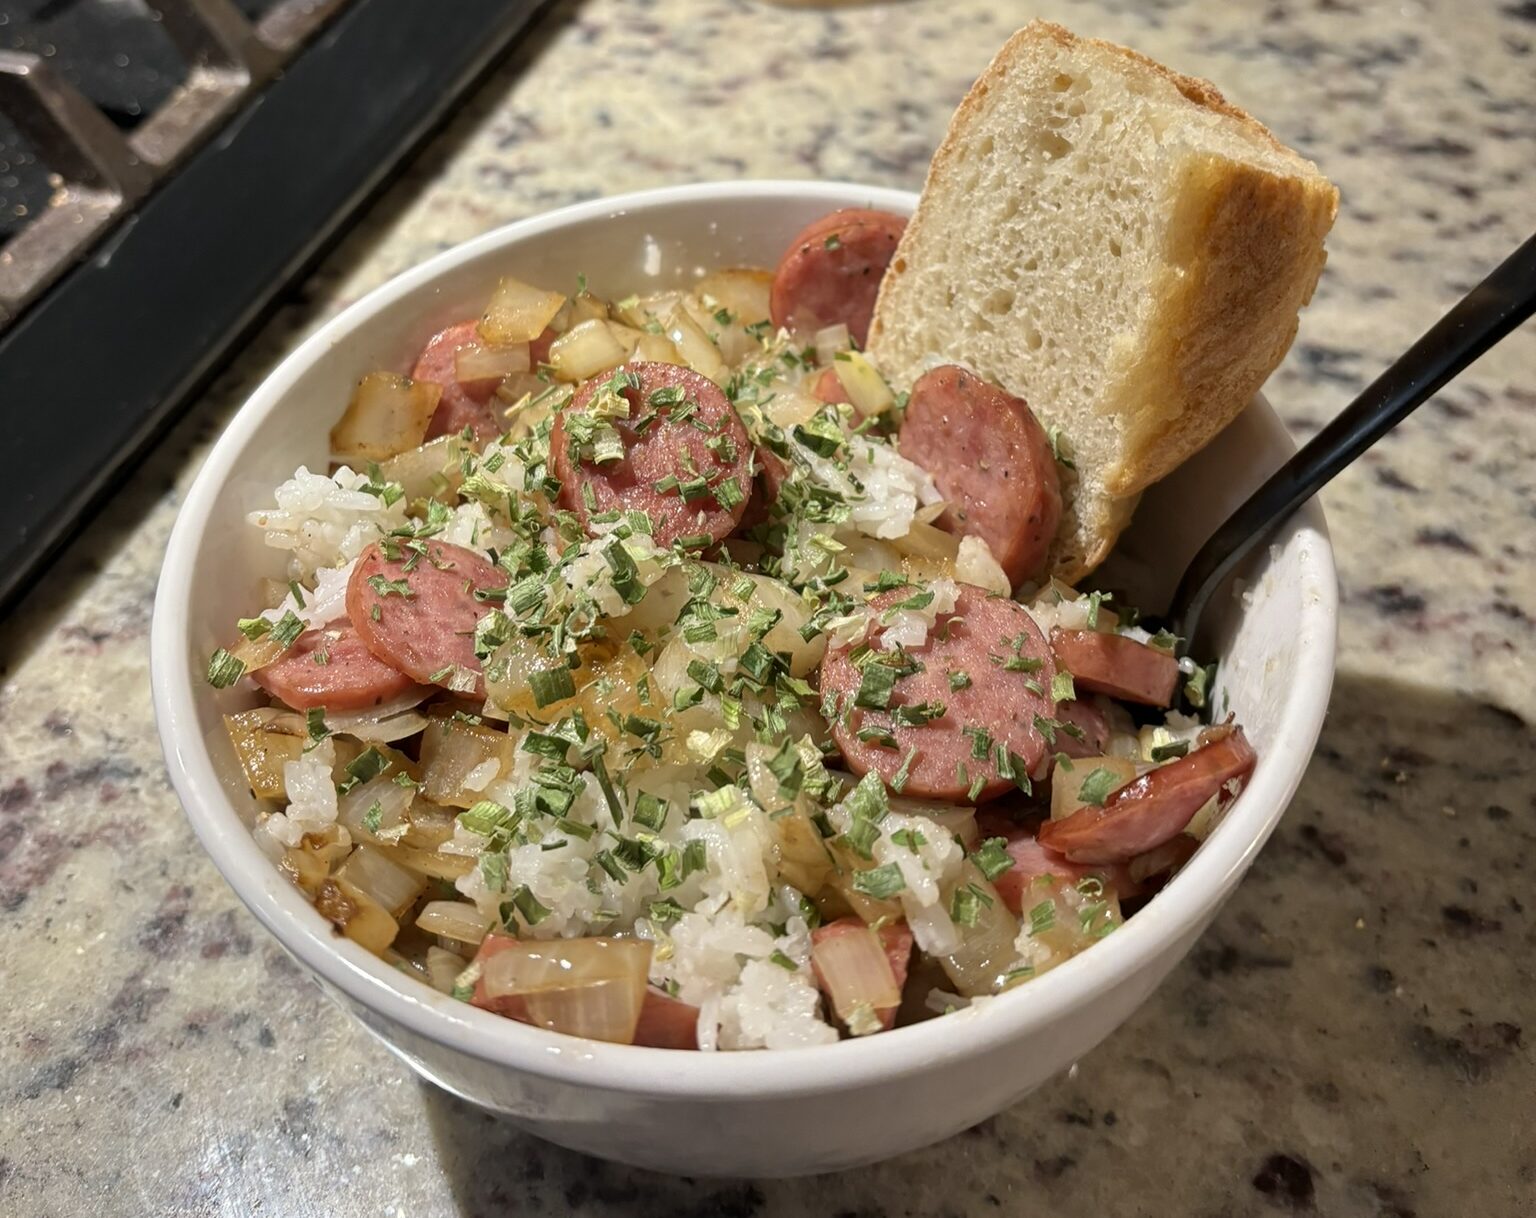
(551,685)
(314,724)
(1197,688)
(528,906)
(224,669)
(875,686)
(881,883)
(992,857)
(368,764)
(1097,786)
(253,627)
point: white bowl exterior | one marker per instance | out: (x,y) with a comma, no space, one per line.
(717,1114)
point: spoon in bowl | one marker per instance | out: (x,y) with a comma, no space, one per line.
(1479,320)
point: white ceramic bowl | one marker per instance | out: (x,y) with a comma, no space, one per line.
(767,1113)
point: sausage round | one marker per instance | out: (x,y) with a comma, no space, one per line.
(991,459)
(772,471)
(417,613)
(1089,720)
(829,388)
(831,271)
(333,669)
(1154,808)
(994,645)
(1031,860)
(463,403)
(1116,666)
(667,446)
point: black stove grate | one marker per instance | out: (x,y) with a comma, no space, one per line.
(211,244)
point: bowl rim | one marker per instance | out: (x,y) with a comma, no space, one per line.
(1179,910)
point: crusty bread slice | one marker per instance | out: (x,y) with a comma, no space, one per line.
(1116,244)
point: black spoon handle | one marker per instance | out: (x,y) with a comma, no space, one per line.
(1482,317)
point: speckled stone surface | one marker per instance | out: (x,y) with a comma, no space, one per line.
(1356,1035)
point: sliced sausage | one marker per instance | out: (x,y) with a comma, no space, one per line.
(538,349)
(669,447)
(991,459)
(991,649)
(831,271)
(772,472)
(1116,666)
(332,668)
(464,403)
(1031,860)
(895,938)
(417,612)
(829,388)
(1154,808)
(1089,720)
(667,1023)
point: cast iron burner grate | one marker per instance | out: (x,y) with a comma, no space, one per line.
(166,171)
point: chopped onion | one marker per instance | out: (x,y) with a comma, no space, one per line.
(457,920)
(608,678)
(744,290)
(443,969)
(355,809)
(264,745)
(434,864)
(865,387)
(958,820)
(639,310)
(583,987)
(258,653)
(430,471)
(391,885)
(271,592)
(629,338)
(473,362)
(1067,785)
(388,414)
(378,724)
(694,345)
(585,350)
(1206,819)
(1061,919)
(974,563)
(829,341)
(928,541)
(654,349)
(772,594)
(981,963)
(791,406)
(452,750)
(586,307)
(518,313)
(730,339)
(428,825)
(856,975)
(360,917)
(309,863)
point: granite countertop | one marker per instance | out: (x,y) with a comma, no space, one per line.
(1356,1034)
